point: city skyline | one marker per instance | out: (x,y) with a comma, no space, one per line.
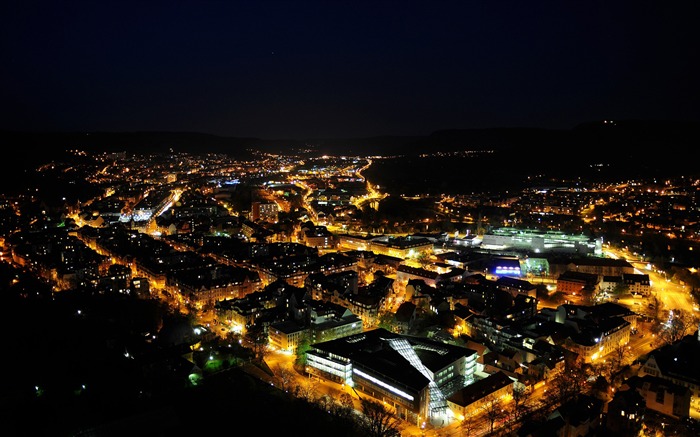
(143,282)
(350,218)
(308,69)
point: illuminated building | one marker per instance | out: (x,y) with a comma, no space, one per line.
(401,247)
(412,375)
(474,398)
(397,247)
(541,241)
(264,211)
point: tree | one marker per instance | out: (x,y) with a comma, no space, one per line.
(558,297)
(656,307)
(587,297)
(602,386)
(343,407)
(346,400)
(679,324)
(284,377)
(541,292)
(470,426)
(308,390)
(571,381)
(387,321)
(208,306)
(493,410)
(303,347)
(620,289)
(521,401)
(602,367)
(259,342)
(619,356)
(325,402)
(423,259)
(685,276)
(378,421)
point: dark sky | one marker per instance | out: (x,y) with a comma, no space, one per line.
(315,69)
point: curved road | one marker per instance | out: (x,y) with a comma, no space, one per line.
(670,294)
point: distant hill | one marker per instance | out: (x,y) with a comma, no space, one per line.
(627,132)
(52,144)
(651,144)
(521,157)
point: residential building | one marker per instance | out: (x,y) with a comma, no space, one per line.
(472,399)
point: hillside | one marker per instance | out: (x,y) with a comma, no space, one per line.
(640,147)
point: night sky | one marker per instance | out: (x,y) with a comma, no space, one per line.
(321,69)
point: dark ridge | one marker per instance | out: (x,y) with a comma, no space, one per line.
(648,145)
(55,143)
(380,145)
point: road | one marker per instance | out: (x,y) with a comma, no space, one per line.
(643,342)
(670,294)
(372,194)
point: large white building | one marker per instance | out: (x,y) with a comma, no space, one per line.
(539,241)
(413,375)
